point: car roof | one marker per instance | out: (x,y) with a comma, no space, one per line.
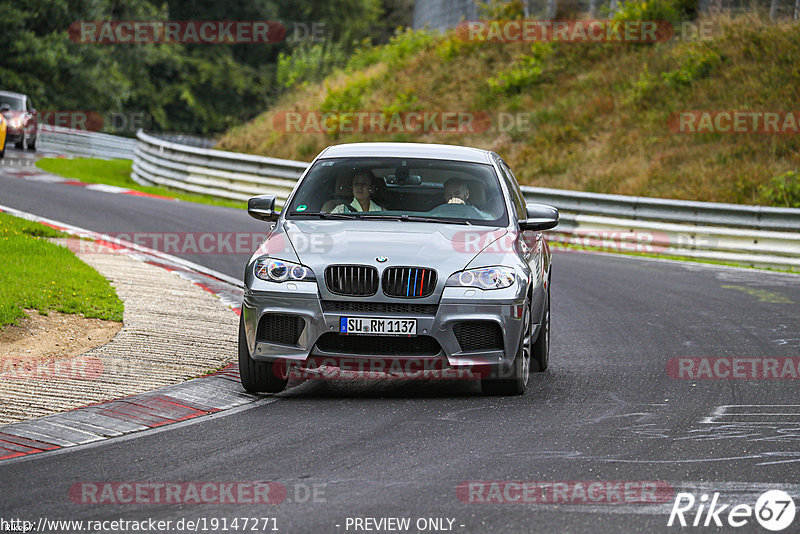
(408,150)
(12,93)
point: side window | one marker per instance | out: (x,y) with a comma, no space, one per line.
(516,195)
(28,104)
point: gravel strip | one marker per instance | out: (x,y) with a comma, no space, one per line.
(172,330)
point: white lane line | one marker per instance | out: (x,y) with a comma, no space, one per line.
(107,188)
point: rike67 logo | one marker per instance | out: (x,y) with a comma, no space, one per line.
(774,510)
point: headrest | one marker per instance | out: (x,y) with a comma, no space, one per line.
(477,194)
(344,186)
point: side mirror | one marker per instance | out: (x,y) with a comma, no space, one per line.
(262,208)
(540,217)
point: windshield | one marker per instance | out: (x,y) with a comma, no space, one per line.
(401,188)
(14,102)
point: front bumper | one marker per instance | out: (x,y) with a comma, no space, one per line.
(17,134)
(503,308)
(14,135)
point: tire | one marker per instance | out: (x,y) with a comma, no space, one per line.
(21,143)
(32,145)
(540,355)
(258,377)
(517,381)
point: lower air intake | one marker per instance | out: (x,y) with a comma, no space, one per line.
(478,335)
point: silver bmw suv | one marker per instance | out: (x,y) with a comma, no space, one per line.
(400,258)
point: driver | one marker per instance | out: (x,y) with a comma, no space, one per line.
(363,188)
(456,191)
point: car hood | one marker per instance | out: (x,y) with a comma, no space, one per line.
(447,248)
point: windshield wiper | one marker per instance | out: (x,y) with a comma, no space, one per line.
(323,215)
(376,216)
(415,218)
(448,220)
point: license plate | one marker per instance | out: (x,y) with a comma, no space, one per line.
(378,326)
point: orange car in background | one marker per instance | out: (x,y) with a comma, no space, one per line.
(3,127)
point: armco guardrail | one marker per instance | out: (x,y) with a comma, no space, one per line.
(84,143)
(753,235)
(668,210)
(212,172)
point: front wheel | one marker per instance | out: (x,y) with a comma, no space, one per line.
(540,355)
(257,377)
(32,144)
(517,381)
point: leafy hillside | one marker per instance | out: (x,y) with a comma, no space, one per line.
(600,114)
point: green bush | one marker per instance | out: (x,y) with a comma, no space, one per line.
(783,190)
(669,10)
(309,63)
(501,9)
(698,65)
(524,73)
(403,102)
(350,97)
(403,45)
(644,89)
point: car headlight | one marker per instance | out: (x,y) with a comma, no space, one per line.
(16,122)
(483,278)
(273,270)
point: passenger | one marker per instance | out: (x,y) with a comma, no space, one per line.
(363,188)
(456,191)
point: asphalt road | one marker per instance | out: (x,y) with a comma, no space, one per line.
(606,410)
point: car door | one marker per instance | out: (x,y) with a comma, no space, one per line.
(531,242)
(527,239)
(32,121)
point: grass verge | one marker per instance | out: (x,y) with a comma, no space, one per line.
(38,274)
(118,172)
